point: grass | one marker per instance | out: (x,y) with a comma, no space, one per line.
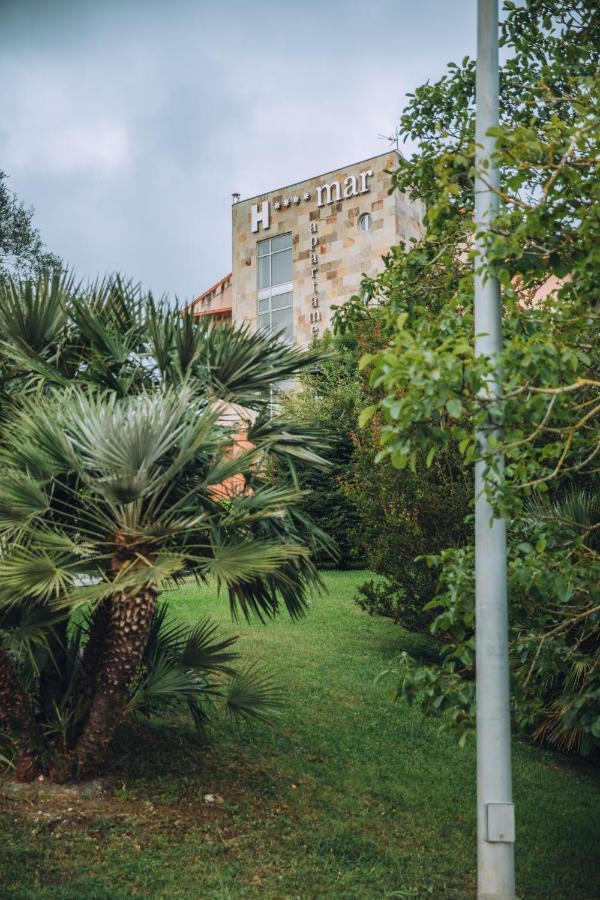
(348,796)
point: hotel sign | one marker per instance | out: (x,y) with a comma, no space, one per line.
(325,194)
(315,315)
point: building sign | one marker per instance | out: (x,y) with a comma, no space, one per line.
(260,215)
(333,192)
(315,314)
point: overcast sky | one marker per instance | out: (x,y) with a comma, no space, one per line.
(128,124)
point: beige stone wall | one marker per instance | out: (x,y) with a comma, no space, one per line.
(330,272)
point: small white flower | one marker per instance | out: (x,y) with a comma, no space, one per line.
(277,204)
(296,199)
(286,202)
(306,195)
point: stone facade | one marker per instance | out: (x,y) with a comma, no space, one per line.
(333,241)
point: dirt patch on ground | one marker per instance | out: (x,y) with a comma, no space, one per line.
(99,806)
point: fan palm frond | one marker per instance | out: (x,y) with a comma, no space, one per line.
(164,685)
(32,314)
(113,306)
(177,663)
(261,597)
(176,343)
(268,501)
(160,326)
(28,635)
(289,440)
(114,345)
(22,498)
(130,578)
(203,651)
(188,343)
(577,510)
(253,694)
(30,572)
(578,506)
(34,441)
(236,561)
(241,366)
(126,436)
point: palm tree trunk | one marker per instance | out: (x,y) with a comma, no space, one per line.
(126,639)
(16,714)
(93,652)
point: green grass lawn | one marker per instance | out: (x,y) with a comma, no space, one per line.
(347,796)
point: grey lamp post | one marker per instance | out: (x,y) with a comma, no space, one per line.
(495,815)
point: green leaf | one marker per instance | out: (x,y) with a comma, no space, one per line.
(454,407)
(367,414)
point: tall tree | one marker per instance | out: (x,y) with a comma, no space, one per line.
(22,251)
(544,250)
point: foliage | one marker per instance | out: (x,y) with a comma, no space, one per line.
(554,617)
(21,248)
(377,519)
(117,477)
(328,400)
(431,389)
(192,669)
(384,598)
(402,519)
(188,669)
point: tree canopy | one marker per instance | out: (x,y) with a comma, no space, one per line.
(22,251)
(428,383)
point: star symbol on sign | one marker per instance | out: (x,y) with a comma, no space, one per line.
(286,202)
(296,198)
(277,204)
(306,195)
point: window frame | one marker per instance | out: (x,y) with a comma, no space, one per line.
(368,218)
(271,291)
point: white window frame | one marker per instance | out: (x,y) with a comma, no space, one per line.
(269,293)
(368,218)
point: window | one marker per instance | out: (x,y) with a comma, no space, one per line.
(275,296)
(365,222)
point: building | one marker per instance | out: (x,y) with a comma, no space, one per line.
(215,302)
(301,249)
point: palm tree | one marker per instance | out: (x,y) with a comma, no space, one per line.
(107,487)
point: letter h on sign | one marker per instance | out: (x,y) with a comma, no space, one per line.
(261,217)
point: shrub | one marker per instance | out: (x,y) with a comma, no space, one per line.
(404,516)
(554,620)
(382,598)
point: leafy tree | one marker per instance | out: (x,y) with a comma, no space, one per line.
(379,521)
(544,250)
(21,248)
(116,477)
(401,518)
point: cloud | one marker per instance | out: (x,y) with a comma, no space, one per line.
(129,124)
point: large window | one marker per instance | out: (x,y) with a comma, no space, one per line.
(275,298)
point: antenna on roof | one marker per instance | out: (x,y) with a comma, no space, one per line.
(393,139)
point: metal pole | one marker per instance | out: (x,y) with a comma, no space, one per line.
(495,814)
